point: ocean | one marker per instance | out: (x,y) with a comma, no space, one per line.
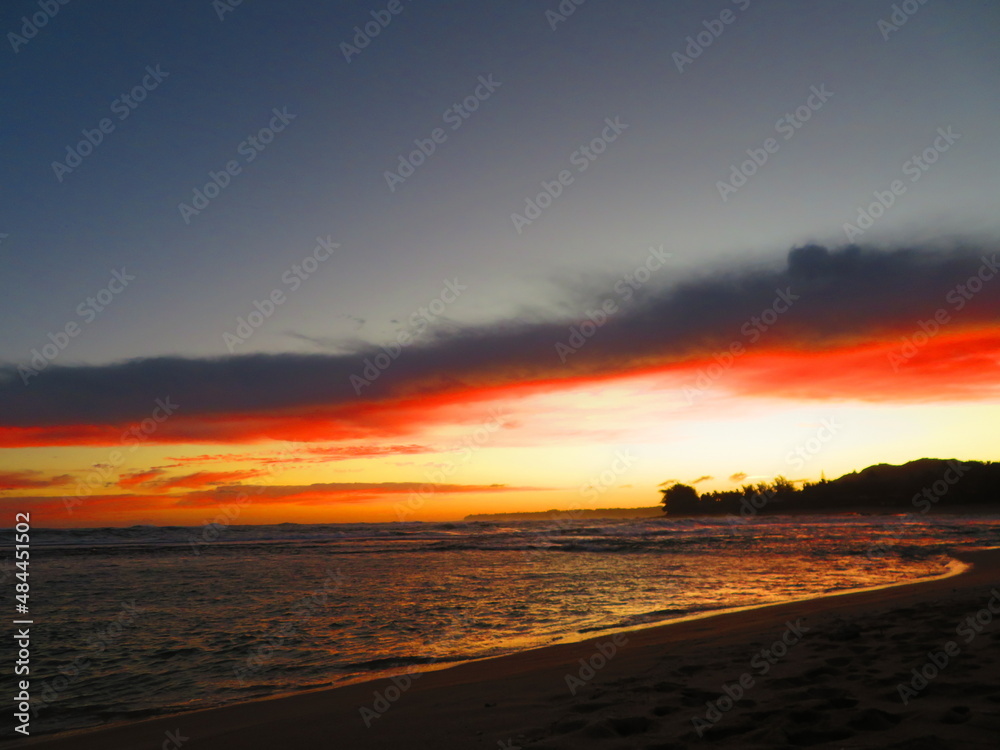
(141,621)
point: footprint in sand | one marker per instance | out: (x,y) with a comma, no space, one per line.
(722,731)
(823,646)
(805,679)
(874,720)
(690,670)
(826,671)
(696,697)
(820,691)
(565,726)
(805,716)
(846,633)
(838,661)
(957,715)
(630,725)
(838,704)
(763,716)
(807,737)
(667,687)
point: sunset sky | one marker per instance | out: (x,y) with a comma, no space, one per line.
(254,263)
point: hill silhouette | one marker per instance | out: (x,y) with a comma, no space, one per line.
(923,485)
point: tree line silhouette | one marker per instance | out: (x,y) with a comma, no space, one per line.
(924,485)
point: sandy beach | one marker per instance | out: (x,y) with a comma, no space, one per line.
(912,666)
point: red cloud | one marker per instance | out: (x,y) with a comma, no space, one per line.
(27,480)
(125,507)
(104,508)
(155,479)
(954,365)
(137,478)
(958,366)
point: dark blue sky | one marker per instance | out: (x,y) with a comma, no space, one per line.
(323,175)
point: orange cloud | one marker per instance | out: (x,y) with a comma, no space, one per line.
(205,479)
(309,454)
(126,508)
(101,508)
(346,452)
(956,365)
(156,480)
(335,492)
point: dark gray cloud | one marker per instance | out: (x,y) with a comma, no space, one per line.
(836,296)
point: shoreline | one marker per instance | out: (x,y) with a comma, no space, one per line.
(506,691)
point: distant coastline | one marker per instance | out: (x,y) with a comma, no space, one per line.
(548,515)
(926,484)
